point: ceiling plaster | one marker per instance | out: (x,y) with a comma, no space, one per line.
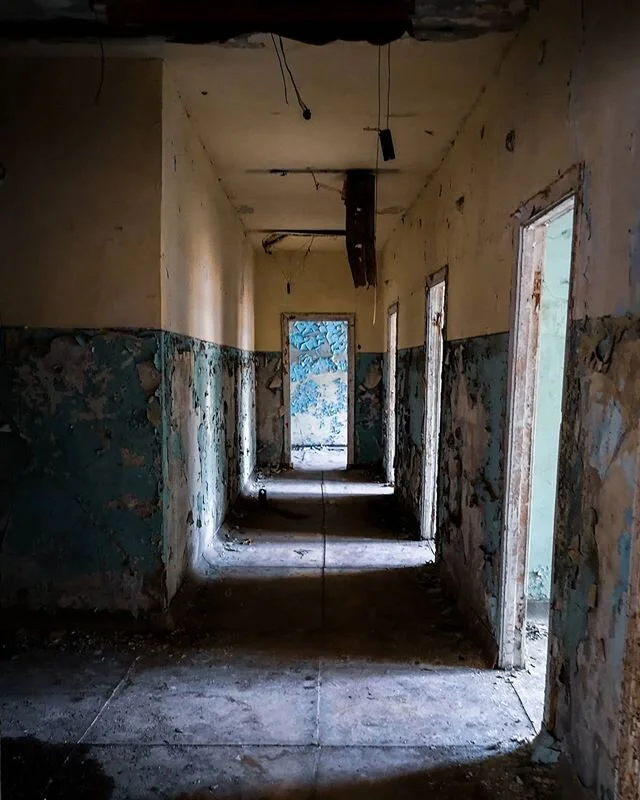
(261,146)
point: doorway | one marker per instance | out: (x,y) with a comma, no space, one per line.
(318,361)
(535,413)
(434,349)
(390,416)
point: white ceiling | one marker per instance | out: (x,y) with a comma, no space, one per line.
(236,100)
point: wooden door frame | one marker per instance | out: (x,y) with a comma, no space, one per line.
(390,469)
(441,276)
(523,350)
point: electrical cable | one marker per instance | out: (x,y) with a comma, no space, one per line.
(379,82)
(284,78)
(96,98)
(306,111)
(101,81)
(388,81)
(375,185)
(292,274)
(375,192)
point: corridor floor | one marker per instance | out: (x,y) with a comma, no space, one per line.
(314,657)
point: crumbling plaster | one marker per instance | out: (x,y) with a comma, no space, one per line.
(122,443)
(207,316)
(560,98)
(410,402)
(81,508)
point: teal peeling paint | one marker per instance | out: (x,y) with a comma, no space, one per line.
(216,414)
(410,404)
(368,412)
(85,515)
(483,363)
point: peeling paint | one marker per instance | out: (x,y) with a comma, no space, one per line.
(472,470)
(368,416)
(410,401)
(270,410)
(83,527)
(209,424)
(597,485)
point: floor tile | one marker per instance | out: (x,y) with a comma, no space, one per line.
(362,704)
(196,703)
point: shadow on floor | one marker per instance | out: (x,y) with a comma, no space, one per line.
(507,777)
(378,515)
(34,770)
(37,770)
(377,614)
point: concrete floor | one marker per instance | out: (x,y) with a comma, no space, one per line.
(315,657)
(319,458)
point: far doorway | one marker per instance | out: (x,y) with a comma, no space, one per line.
(390,395)
(318,390)
(535,415)
(434,349)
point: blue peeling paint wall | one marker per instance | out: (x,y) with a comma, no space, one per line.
(368,413)
(80,470)
(471,475)
(410,397)
(597,486)
(120,454)
(209,430)
(319,383)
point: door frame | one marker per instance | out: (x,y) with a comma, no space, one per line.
(350,319)
(390,467)
(431,438)
(523,350)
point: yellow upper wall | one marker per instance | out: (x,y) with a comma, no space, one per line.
(207,262)
(321,282)
(567,100)
(80,205)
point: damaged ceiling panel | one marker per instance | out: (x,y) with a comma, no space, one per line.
(313,22)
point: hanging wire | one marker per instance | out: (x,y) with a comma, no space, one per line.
(96,98)
(375,184)
(388,81)
(284,79)
(379,85)
(306,111)
(291,274)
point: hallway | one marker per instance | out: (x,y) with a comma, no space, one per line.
(315,657)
